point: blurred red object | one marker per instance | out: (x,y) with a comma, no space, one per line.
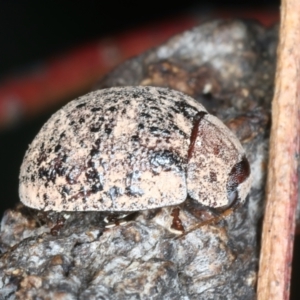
(75,72)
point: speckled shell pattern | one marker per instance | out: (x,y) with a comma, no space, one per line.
(117,149)
(129,149)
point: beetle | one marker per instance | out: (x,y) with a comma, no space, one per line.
(131,149)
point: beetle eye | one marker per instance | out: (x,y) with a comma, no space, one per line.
(238,174)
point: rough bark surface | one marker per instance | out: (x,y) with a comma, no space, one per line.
(229,67)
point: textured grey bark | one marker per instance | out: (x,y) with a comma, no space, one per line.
(229,67)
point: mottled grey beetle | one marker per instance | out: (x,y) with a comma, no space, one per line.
(131,149)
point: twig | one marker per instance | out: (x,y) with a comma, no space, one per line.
(279,221)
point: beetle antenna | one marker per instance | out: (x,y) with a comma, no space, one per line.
(213,220)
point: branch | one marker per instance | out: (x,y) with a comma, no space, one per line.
(279,221)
